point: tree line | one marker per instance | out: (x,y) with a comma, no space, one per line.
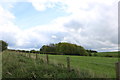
(64,48)
(61,48)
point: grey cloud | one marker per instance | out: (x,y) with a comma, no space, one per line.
(96,32)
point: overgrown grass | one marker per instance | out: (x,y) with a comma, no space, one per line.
(16,65)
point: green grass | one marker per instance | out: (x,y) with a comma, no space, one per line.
(99,67)
(17,65)
(108,54)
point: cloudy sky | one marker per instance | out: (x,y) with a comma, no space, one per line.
(29,24)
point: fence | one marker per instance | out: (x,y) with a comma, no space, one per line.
(68,66)
(118,70)
(47,59)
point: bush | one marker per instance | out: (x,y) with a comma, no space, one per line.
(64,48)
(90,54)
(3,45)
(108,55)
(95,54)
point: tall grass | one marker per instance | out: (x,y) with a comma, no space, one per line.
(17,65)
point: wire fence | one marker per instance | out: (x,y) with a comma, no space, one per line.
(68,60)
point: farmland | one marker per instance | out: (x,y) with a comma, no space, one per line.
(108,54)
(97,66)
(17,65)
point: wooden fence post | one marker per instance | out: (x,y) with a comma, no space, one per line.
(118,71)
(47,58)
(29,55)
(25,54)
(68,63)
(36,56)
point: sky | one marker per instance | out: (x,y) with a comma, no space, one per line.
(29,24)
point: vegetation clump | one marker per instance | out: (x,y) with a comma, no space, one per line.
(64,48)
(19,66)
(3,45)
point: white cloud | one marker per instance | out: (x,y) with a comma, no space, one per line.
(25,39)
(5,16)
(96,25)
(42,5)
(53,36)
(5,21)
(92,24)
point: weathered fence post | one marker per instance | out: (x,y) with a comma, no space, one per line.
(29,55)
(118,71)
(25,54)
(47,58)
(36,56)
(68,63)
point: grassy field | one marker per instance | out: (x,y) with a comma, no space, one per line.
(108,54)
(99,67)
(17,65)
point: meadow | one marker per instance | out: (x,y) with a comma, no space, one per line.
(23,65)
(98,67)
(16,65)
(108,54)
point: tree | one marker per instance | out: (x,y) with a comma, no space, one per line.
(91,51)
(95,54)
(32,51)
(64,48)
(3,45)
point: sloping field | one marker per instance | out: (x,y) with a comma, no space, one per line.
(100,67)
(108,54)
(19,65)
